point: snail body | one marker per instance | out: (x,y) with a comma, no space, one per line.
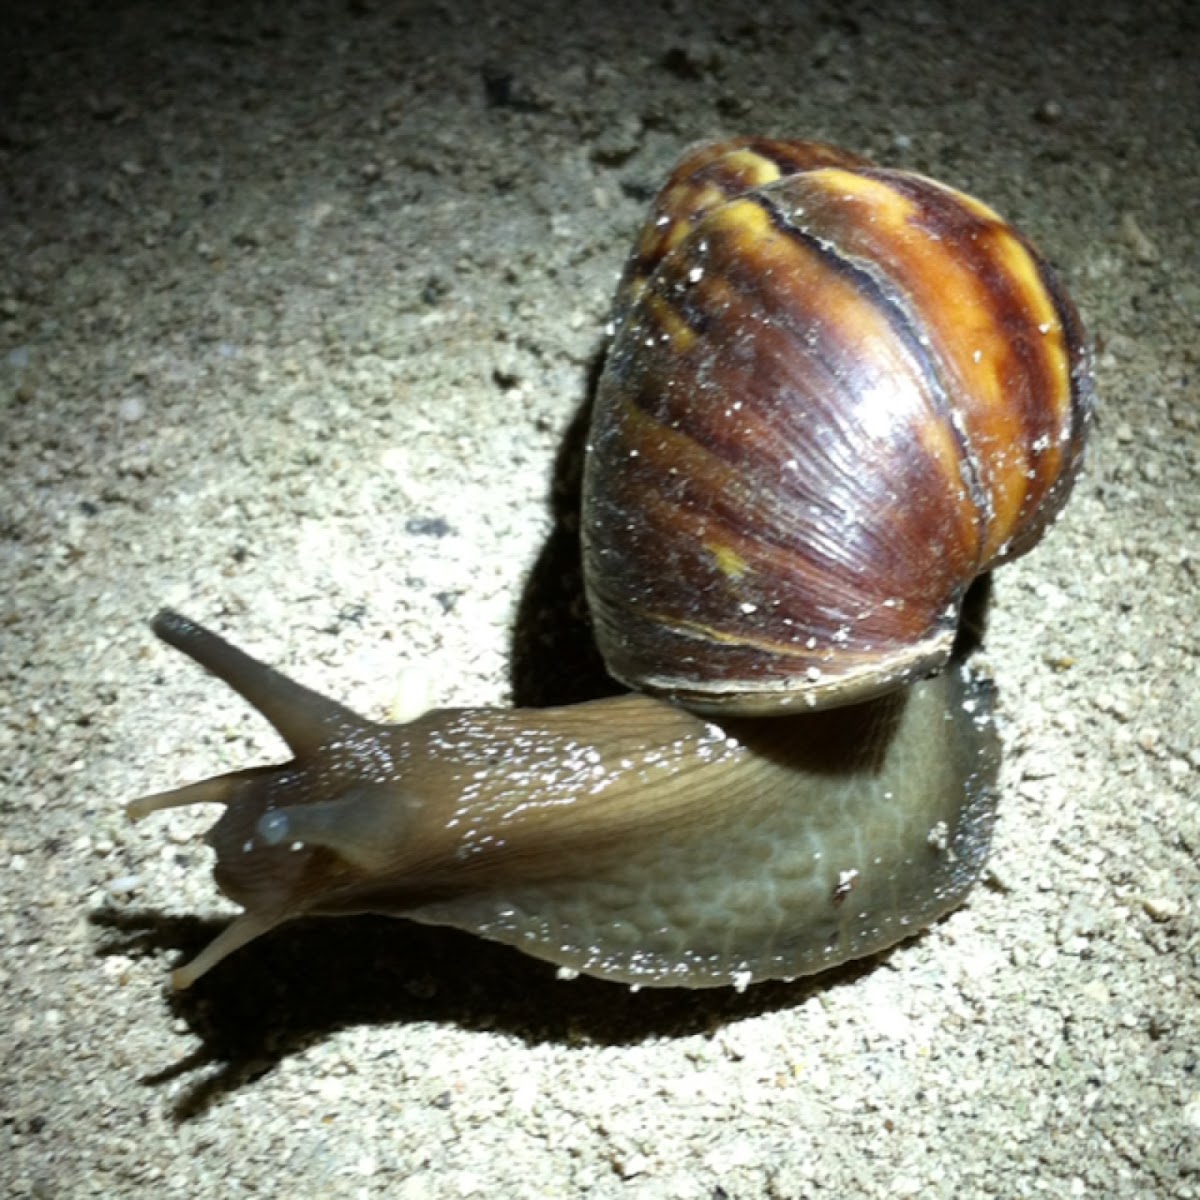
(625,837)
(794,472)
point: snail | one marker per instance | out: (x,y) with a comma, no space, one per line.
(835,395)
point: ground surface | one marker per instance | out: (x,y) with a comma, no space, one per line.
(297,305)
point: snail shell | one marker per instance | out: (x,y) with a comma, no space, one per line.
(835,395)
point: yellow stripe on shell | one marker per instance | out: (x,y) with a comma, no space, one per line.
(756,169)
(661,320)
(744,218)
(729,562)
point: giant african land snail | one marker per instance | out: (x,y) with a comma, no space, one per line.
(835,395)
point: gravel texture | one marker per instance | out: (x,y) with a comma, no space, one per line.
(298,305)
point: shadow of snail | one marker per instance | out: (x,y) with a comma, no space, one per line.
(835,396)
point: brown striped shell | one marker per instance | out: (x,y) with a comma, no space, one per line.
(836,394)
